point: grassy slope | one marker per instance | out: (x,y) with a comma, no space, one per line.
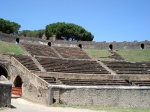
(136,55)
(132,55)
(98,54)
(6,47)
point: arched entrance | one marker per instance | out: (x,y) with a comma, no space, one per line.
(17,90)
(80,45)
(17,40)
(111,47)
(18,82)
(3,71)
(49,44)
(142,46)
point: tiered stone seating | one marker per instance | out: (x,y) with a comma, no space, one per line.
(85,82)
(91,82)
(140,82)
(72,52)
(128,67)
(39,50)
(71,66)
(115,56)
(27,62)
(51,80)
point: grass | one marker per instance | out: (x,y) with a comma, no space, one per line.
(6,47)
(131,55)
(136,55)
(98,54)
(108,109)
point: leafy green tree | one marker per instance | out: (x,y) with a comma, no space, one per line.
(68,30)
(9,27)
(30,33)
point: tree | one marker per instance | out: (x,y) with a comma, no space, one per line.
(68,30)
(9,27)
(30,33)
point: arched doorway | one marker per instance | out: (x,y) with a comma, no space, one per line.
(80,45)
(111,47)
(17,40)
(17,90)
(3,71)
(142,46)
(49,44)
(18,81)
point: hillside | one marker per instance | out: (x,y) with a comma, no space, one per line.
(6,47)
(131,55)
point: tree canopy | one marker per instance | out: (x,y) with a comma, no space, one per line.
(30,33)
(68,30)
(8,27)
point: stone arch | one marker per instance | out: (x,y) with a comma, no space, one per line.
(111,47)
(17,40)
(142,46)
(18,81)
(3,71)
(80,45)
(49,44)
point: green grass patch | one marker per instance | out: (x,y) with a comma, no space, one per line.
(131,55)
(6,47)
(108,109)
(135,55)
(98,54)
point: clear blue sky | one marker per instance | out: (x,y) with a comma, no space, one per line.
(107,20)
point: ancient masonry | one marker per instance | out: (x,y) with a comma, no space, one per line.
(61,72)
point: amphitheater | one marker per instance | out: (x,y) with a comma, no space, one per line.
(62,72)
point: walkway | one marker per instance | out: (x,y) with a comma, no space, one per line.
(21,105)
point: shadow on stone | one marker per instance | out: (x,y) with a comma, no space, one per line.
(12,107)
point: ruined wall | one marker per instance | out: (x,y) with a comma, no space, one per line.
(33,88)
(85,44)
(93,45)
(106,96)
(5,92)
(103,45)
(8,37)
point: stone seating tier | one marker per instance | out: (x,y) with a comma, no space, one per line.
(95,82)
(72,66)
(72,52)
(85,82)
(140,82)
(129,68)
(40,50)
(27,62)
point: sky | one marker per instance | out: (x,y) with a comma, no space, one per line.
(107,20)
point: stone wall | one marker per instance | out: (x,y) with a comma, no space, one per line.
(93,45)
(104,96)
(5,66)
(8,37)
(104,45)
(85,44)
(93,76)
(5,92)
(33,87)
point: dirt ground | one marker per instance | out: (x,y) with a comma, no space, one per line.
(22,105)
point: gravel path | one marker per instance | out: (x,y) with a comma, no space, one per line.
(21,105)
